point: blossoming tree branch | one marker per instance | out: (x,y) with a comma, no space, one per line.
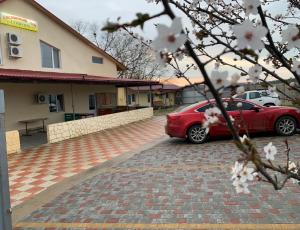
(245,36)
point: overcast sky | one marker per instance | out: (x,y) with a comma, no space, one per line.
(102,10)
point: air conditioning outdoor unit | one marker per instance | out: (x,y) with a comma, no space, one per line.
(14,39)
(15,52)
(42,98)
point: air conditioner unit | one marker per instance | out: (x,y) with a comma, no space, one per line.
(15,52)
(41,98)
(14,39)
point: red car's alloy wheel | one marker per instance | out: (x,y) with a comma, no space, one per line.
(286,126)
(197,134)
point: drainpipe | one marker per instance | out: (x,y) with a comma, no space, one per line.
(72,98)
(5,209)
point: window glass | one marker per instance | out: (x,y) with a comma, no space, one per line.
(60,103)
(205,107)
(92,102)
(50,56)
(254,95)
(97,60)
(56,103)
(128,99)
(56,58)
(247,106)
(46,55)
(133,97)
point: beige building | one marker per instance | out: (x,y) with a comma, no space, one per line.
(51,73)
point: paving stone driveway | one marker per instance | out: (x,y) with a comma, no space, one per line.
(174,182)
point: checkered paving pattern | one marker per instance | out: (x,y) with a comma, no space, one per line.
(34,170)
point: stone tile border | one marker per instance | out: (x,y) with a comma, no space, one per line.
(158,226)
(67,130)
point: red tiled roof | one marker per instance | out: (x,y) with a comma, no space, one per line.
(28,75)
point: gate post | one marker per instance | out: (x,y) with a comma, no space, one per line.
(5,209)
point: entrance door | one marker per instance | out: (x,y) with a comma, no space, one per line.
(92,104)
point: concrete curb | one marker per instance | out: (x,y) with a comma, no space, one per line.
(21,211)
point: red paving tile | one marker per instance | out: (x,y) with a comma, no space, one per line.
(34,170)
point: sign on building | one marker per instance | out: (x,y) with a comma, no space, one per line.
(19,22)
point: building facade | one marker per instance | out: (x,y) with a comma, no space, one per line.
(48,70)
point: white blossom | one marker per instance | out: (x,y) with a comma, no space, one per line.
(239,105)
(254,73)
(246,174)
(211,116)
(241,187)
(169,38)
(251,6)
(243,139)
(225,104)
(239,90)
(272,91)
(249,36)
(270,151)
(296,66)
(291,36)
(233,79)
(219,79)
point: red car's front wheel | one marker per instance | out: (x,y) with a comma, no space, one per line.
(197,134)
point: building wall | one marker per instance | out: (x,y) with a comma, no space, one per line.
(66,130)
(76,56)
(21,102)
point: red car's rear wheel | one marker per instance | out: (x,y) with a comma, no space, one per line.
(286,126)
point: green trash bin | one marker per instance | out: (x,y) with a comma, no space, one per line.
(70,116)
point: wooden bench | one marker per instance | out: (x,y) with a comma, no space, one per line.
(26,122)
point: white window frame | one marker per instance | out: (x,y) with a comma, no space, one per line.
(52,56)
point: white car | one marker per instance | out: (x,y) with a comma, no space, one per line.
(261,97)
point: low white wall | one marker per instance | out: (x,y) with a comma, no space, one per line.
(66,130)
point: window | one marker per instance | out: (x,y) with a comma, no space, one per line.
(254,95)
(92,102)
(232,106)
(133,97)
(205,107)
(129,99)
(56,103)
(50,56)
(167,95)
(97,60)
(106,99)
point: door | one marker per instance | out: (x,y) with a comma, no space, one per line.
(256,98)
(92,104)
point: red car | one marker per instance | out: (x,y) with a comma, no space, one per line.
(187,123)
